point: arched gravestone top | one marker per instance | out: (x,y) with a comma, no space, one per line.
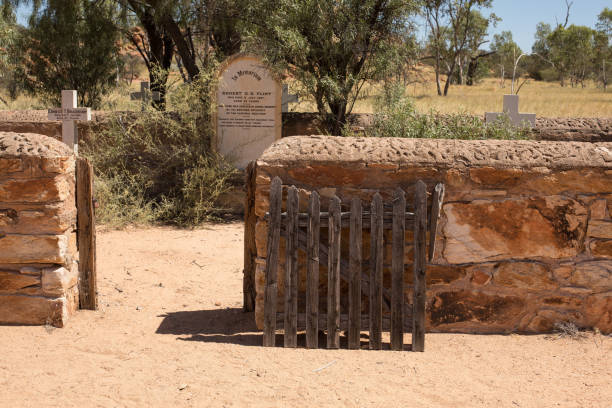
(248,116)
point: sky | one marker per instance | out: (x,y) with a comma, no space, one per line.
(518,16)
(522,16)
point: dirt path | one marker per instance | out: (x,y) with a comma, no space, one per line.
(170,333)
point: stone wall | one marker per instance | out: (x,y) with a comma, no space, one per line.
(525,236)
(38,256)
(304,123)
(558,129)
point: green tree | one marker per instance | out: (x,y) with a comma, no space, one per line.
(456,30)
(70,45)
(603,48)
(572,53)
(196,33)
(9,32)
(506,53)
(538,64)
(332,47)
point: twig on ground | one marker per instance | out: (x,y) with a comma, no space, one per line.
(324,367)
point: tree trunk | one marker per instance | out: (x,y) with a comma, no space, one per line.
(605,80)
(449,78)
(161,51)
(471,74)
(338,117)
(438,73)
(182,47)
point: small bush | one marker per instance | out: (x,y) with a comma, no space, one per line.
(159,166)
(568,330)
(396,116)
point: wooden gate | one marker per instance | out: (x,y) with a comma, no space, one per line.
(301,232)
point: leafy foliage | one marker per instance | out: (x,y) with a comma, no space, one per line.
(158,167)
(457,30)
(396,116)
(8,35)
(70,45)
(332,47)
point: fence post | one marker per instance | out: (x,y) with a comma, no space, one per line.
(86,235)
(291,267)
(333,274)
(312,290)
(397,270)
(436,206)
(354,340)
(271,291)
(420,239)
(376,272)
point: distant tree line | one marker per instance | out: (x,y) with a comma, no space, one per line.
(331,48)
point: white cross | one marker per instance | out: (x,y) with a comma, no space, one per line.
(69,114)
(511,108)
(287,98)
(144,94)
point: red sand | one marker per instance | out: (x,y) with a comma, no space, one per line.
(170,333)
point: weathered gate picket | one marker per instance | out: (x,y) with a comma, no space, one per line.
(292,223)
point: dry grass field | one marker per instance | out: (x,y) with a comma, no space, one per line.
(546,99)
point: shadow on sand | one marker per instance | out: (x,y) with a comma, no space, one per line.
(231,326)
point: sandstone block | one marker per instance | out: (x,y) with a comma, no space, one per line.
(545,320)
(593,275)
(58,164)
(563,302)
(57,281)
(593,181)
(482,231)
(12,282)
(10,165)
(24,249)
(601,249)
(260,284)
(600,229)
(35,190)
(38,219)
(598,312)
(480,277)
(72,301)
(17,309)
(500,178)
(437,274)
(261,238)
(564,272)
(599,209)
(467,309)
(524,275)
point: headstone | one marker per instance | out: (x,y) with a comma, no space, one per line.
(511,108)
(249,115)
(145,94)
(69,114)
(288,98)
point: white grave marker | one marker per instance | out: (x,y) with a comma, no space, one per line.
(69,114)
(248,110)
(511,108)
(145,94)
(288,98)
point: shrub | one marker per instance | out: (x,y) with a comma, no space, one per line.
(158,166)
(396,116)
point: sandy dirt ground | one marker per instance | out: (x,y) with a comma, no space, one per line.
(170,332)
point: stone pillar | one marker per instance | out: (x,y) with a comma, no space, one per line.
(38,254)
